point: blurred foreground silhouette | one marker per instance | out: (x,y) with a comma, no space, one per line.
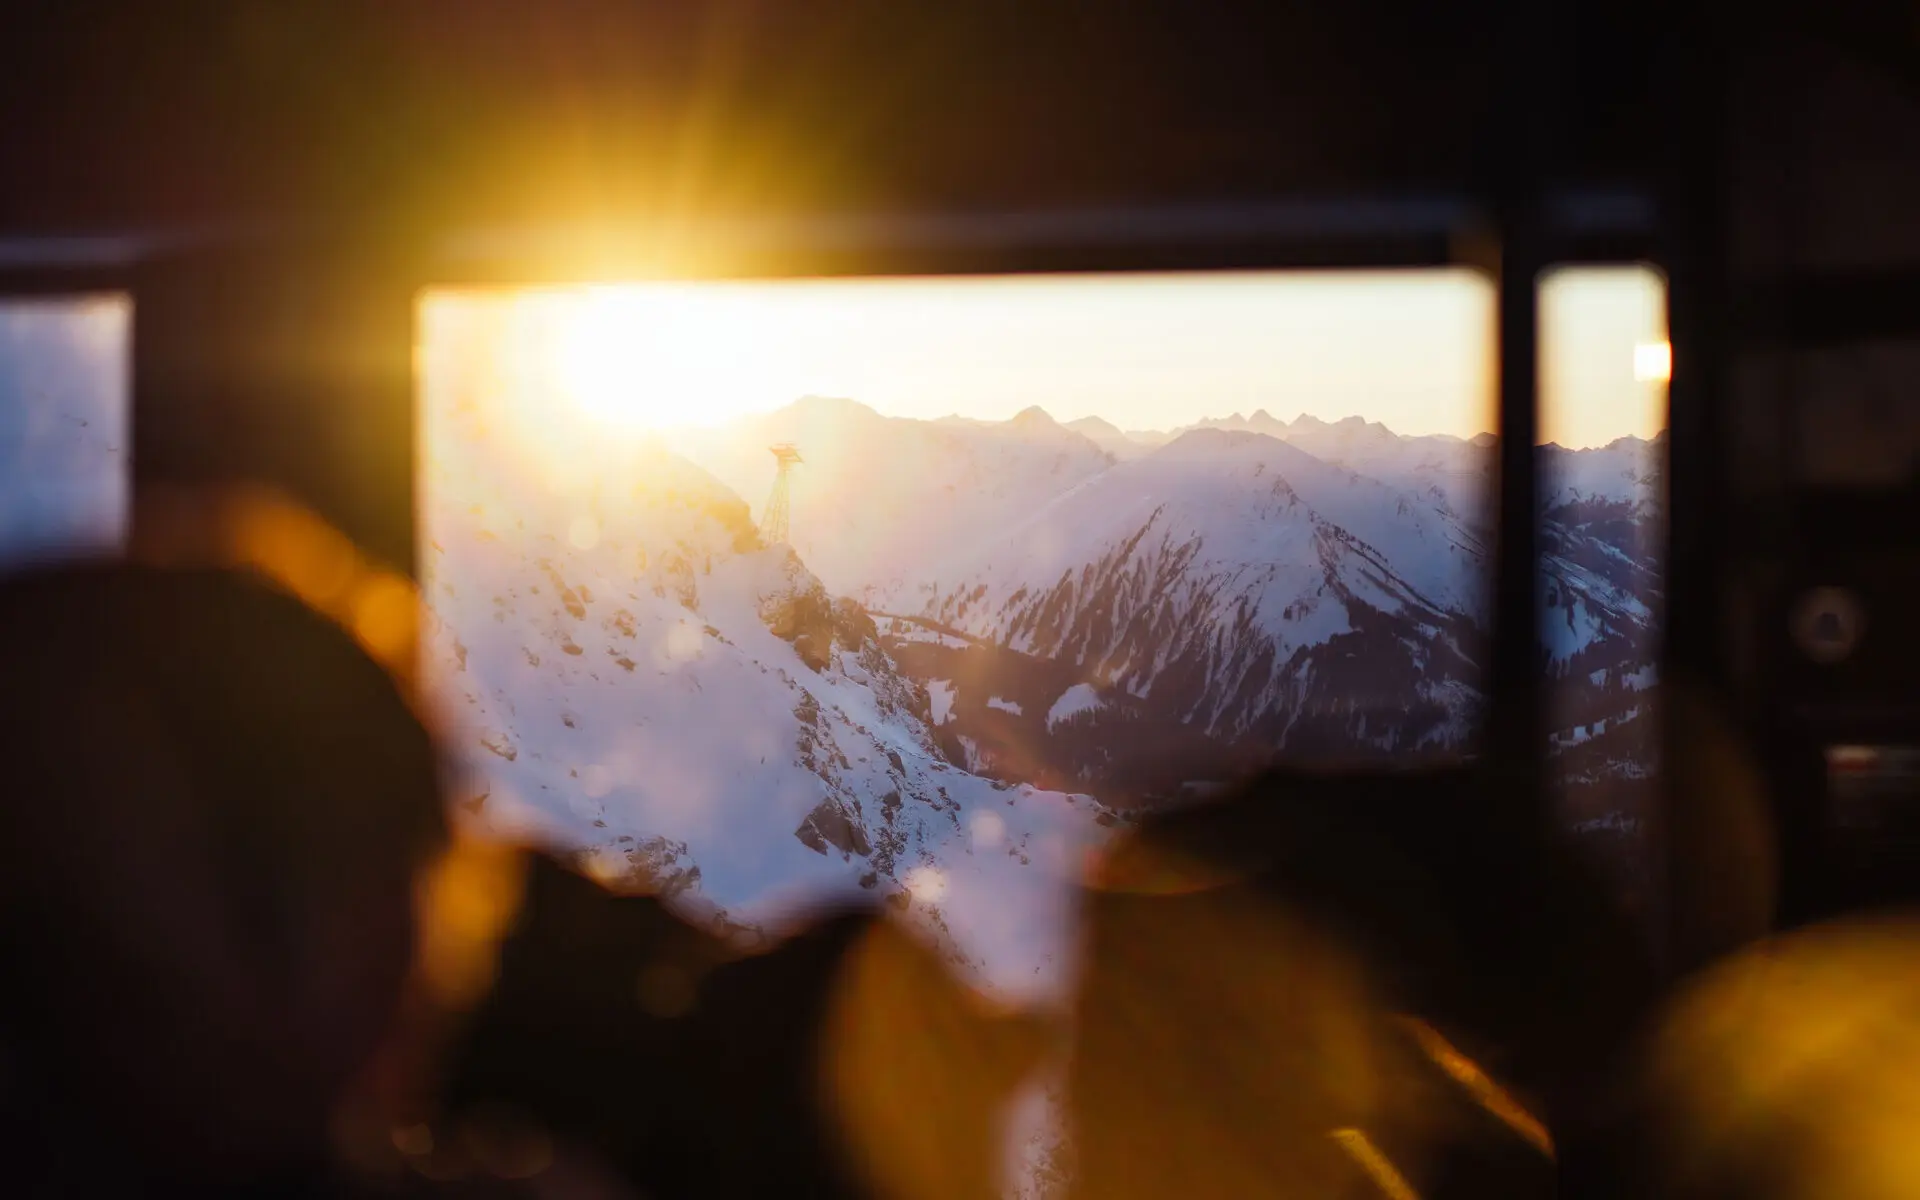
(217,809)
(247,952)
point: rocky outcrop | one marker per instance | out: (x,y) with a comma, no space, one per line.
(799,611)
(830,824)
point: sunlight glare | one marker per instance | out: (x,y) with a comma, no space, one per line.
(584,533)
(1653,362)
(646,357)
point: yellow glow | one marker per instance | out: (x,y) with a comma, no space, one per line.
(1604,357)
(1490,1095)
(582,372)
(584,533)
(1653,362)
(1142,351)
(642,358)
(465,901)
(1384,1174)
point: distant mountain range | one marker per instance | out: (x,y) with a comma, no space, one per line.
(1212,594)
(989,640)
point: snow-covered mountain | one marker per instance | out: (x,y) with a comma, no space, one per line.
(1260,422)
(636,676)
(879,496)
(1451,473)
(1065,608)
(1602,590)
(1231,585)
(1109,437)
(1627,471)
(1168,613)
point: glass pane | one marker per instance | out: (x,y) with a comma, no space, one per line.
(64,403)
(919,588)
(809,583)
(1605,361)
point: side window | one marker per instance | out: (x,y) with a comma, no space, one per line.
(769,590)
(1602,476)
(64,425)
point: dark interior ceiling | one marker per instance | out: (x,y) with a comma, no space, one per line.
(461,111)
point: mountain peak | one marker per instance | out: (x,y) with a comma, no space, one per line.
(1096,427)
(1486,441)
(1308,421)
(833,407)
(1033,417)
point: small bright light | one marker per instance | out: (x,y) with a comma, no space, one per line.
(926,884)
(988,829)
(684,643)
(596,781)
(584,533)
(1653,362)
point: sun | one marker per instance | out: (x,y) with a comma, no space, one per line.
(654,357)
(613,358)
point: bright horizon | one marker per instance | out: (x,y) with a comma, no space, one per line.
(1412,350)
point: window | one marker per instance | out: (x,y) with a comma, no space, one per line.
(64,426)
(1603,415)
(768,590)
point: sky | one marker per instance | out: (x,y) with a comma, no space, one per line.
(1413,350)
(1591,318)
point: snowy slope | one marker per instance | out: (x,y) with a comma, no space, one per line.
(1180,584)
(1448,472)
(634,675)
(881,498)
(1233,576)
(1109,437)
(1625,471)
(1601,545)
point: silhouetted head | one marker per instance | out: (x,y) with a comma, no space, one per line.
(843,1059)
(217,807)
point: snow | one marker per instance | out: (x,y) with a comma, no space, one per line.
(1621,472)
(601,629)
(624,692)
(975,760)
(1567,630)
(1571,737)
(989,830)
(1219,537)
(940,693)
(1081,697)
(1112,439)
(912,631)
(898,495)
